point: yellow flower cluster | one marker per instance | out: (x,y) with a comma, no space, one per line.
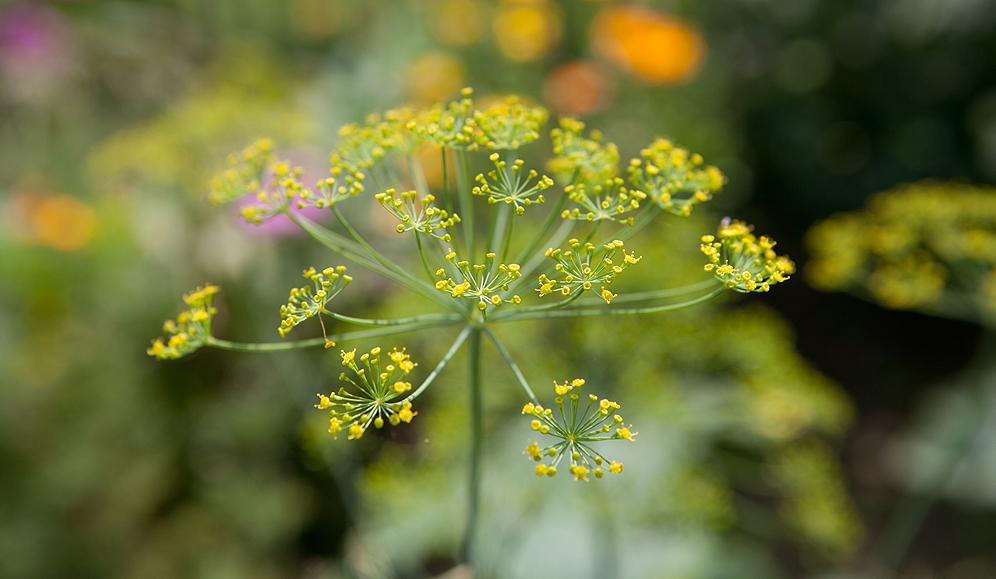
(506,184)
(581,159)
(244,174)
(743,262)
(286,189)
(574,426)
(509,124)
(309,301)
(417,214)
(609,200)
(191,329)
(675,179)
(448,125)
(583,266)
(929,246)
(373,394)
(506,124)
(482,282)
(360,148)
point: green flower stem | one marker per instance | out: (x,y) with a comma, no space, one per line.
(545,307)
(593,231)
(335,242)
(508,239)
(423,258)
(454,348)
(512,365)
(500,229)
(477,435)
(912,512)
(417,175)
(466,202)
(332,240)
(314,342)
(446,180)
(370,250)
(587,313)
(432,318)
(544,231)
(644,219)
(537,259)
(654,294)
(264,346)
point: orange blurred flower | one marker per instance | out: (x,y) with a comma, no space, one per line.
(654,47)
(577,88)
(57,221)
(435,77)
(526,30)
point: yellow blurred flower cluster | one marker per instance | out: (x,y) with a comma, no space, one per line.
(926,246)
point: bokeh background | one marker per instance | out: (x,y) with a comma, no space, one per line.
(797,434)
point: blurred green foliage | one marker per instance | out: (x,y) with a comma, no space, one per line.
(115,112)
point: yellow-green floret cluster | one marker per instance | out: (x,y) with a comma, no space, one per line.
(482,282)
(927,246)
(285,190)
(743,262)
(192,327)
(675,179)
(581,159)
(244,174)
(578,422)
(417,213)
(585,266)
(309,301)
(374,392)
(508,124)
(608,200)
(448,125)
(507,184)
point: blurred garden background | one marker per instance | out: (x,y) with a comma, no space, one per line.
(808,432)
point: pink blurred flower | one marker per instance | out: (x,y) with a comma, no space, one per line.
(281,226)
(36,51)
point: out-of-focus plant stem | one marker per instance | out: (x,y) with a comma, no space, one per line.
(476,438)
(913,511)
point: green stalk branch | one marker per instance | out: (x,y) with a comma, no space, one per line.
(545,307)
(342,246)
(466,202)
(536,260)
(544,230)
(423,258)
(653,294)
(314,342)
(477,435)
(430,318)
(512,365)
(370,250)
(587,313)
(454,348)
(644,219)
(500,229)
(264,346)
(417,175)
